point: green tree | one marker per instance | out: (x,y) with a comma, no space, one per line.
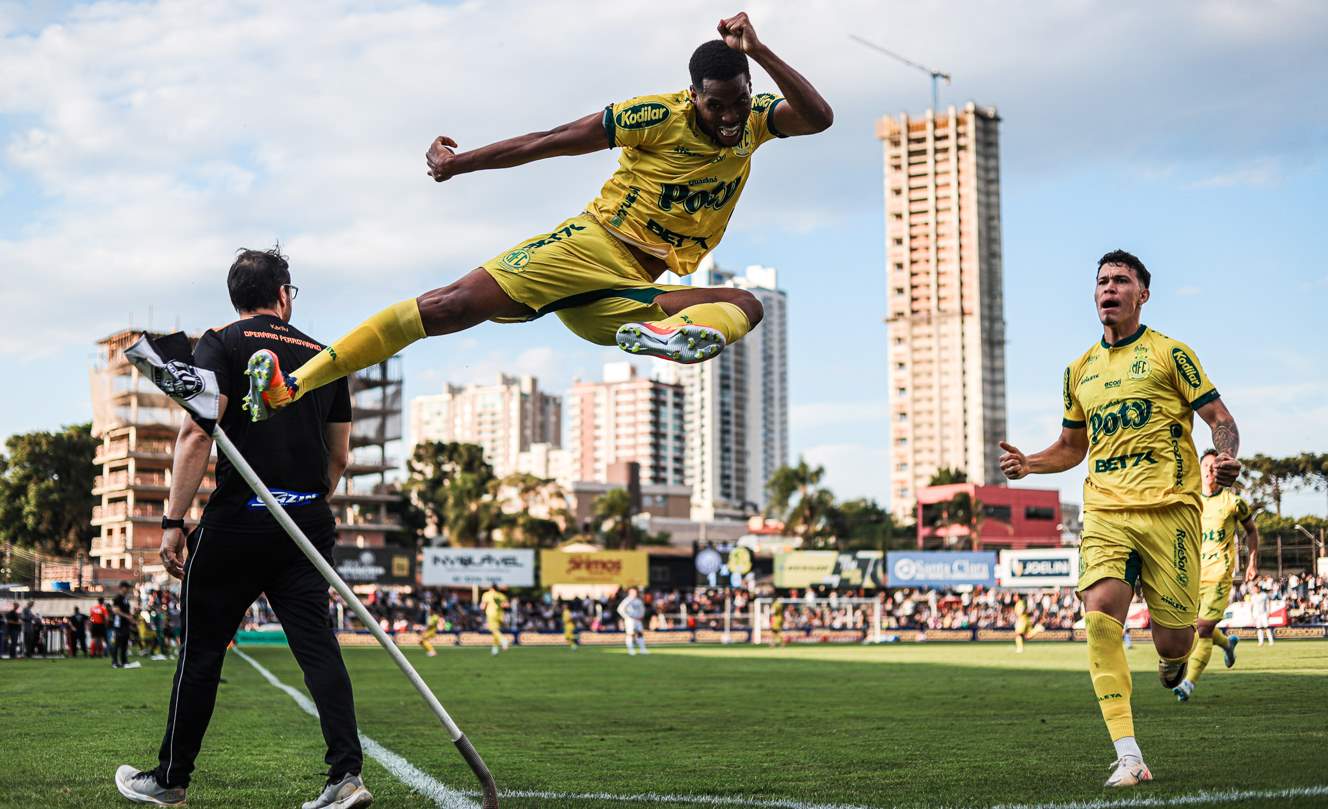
(947,475)
(863,525)
(518,495)
(450,482)
(807,510)
(1267,480)
(46,489)
(613,519)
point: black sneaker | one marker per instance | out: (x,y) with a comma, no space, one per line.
(142,787)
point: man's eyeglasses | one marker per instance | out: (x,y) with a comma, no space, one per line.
(291,290)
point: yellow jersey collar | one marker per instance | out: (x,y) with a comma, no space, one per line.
(1126,341)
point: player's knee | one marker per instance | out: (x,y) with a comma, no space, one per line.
(1173,644)
(750,306)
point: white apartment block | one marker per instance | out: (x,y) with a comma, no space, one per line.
(945,302)
(505,418)
(626,417)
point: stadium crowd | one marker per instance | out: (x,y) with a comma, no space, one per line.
(145,622)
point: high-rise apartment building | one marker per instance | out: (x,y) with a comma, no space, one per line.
(505,418)
(945,302)
(737,403)
(625,418)
(363,503)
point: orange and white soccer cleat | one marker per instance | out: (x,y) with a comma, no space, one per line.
(1128,771)
(269,389)
(684,344)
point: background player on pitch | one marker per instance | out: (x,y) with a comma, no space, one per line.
(569,627)
(494,601)
(632,609)
(686,157)
(1129,405)
(1223,510)
(430,632)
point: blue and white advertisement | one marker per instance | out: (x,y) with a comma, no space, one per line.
(1042,567)
(941,569)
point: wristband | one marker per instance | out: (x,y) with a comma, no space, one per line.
(167,522)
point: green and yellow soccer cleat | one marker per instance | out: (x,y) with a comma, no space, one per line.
(269,389)
(684,344)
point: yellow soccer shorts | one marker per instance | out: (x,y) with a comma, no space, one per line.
(1158,547)
(1213,599)
(584,275)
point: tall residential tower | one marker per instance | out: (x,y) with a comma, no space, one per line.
(945,305)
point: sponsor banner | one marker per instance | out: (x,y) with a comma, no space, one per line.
(478,567)
(543,639)
(717,636)
(374,565)
(829,568)
(1039,568)
(481,638)
(941,569)
(602,638)
(623,568)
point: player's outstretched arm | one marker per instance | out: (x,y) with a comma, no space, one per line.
(1251,541)
(582,136)
(804,111)
(1067,452)
(1226,440)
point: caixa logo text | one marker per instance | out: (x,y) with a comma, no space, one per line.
(285,498)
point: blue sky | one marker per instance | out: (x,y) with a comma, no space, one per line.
(140,144)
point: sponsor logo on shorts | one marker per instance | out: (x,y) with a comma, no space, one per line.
(1171,602)
(1188,370)
(516,260)
(1180,558)
(1119,415)
(641,116)
(557,236)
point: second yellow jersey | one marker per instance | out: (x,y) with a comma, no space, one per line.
(493,603)
(1137,399)
(1222,512)
(675,187)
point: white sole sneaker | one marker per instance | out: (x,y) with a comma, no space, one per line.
(1128,772)
(686,344)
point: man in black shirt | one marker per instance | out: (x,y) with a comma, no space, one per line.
(122,623)
(13,627)
(239,552)
(78,633)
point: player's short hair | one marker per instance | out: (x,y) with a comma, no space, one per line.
(1127,260)
(256,278)
(1207,452)
(715,60)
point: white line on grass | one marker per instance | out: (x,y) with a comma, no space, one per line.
(448,798)
(405,772)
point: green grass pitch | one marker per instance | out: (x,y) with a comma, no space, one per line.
(925,725)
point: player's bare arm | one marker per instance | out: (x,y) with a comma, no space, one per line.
(1252,540)
(804,111)
(582,136)
(1067,452)
(1226,440)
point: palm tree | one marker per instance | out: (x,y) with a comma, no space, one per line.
(613,518)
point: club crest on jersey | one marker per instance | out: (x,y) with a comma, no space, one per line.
(640,116)
(748,143)
(516,260)
(1188,370)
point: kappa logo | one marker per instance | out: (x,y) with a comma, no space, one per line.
(1188,370)
(641,116)
(180,381)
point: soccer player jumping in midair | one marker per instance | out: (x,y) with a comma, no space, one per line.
(1129,404)
(684,162)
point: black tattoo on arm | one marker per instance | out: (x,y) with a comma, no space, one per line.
(1226,438)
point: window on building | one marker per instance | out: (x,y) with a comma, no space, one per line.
(995,512)
(1039,513)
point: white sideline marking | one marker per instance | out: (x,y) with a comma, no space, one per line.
(405,772)
(448,798)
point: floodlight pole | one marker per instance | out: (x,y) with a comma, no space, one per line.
(463,744)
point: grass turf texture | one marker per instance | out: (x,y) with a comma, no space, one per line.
(954,725)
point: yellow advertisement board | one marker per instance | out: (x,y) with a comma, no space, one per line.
(623,568)
(830,568)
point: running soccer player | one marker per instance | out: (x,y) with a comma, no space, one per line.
(430,632)
(1223,510)
(1128,406)
(685,160)
(632,609)
(1259,607)
(777,623)
(1020,624)
(494,602)
(569,627)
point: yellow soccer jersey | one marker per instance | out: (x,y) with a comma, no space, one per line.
(493,603)
(432,625)
(568,622)
(1137,400)
(675,188)
(1221,513)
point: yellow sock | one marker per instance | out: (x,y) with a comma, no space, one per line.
(428,647)
(1018,643)
(367,344)
(1111,673)
(1220,639)
(1203,650)
(725,318)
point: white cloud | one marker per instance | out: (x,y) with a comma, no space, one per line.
(1261,172)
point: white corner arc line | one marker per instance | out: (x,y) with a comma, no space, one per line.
(443,796)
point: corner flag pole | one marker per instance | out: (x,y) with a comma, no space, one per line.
(184,383)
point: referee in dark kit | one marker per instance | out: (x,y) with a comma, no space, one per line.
(238,551)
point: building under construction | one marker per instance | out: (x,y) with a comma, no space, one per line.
(137,425)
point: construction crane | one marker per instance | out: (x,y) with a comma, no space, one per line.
(935,74)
